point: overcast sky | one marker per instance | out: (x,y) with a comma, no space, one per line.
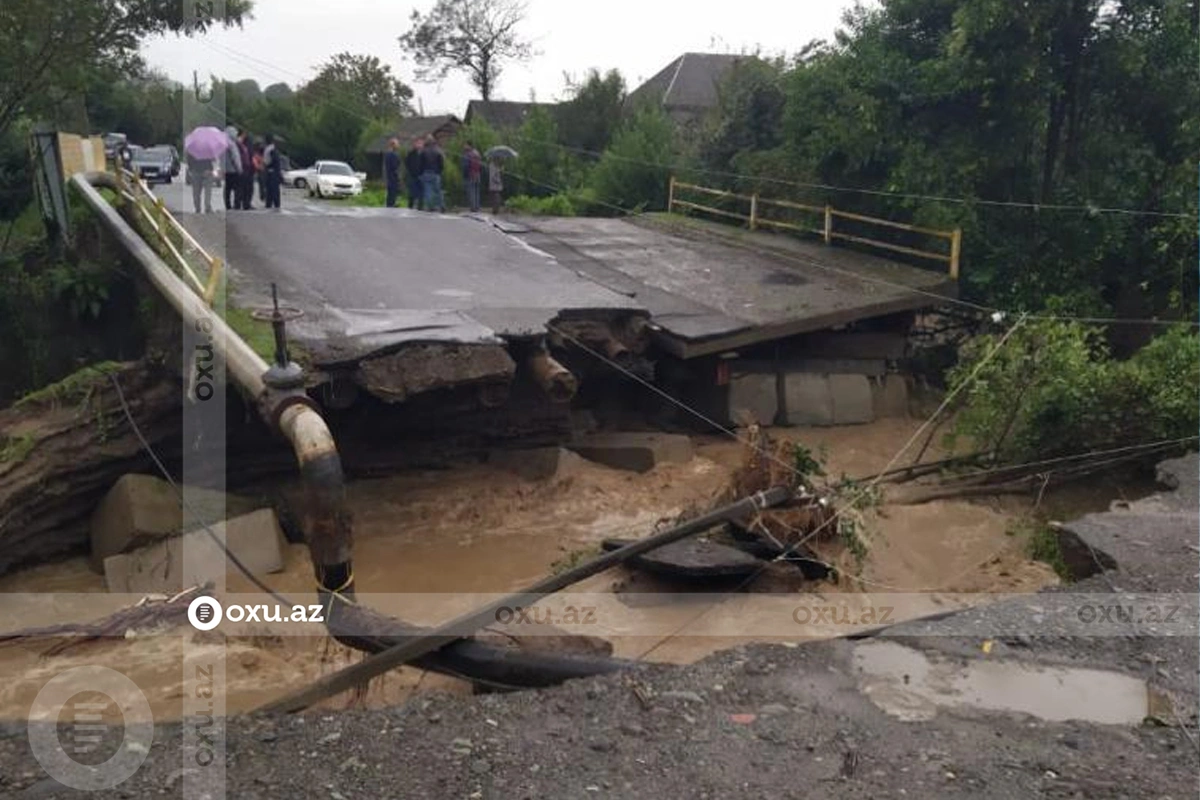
(288,39)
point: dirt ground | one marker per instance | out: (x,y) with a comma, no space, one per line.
(432,544)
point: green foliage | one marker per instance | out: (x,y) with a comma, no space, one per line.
(1058,102)
(1041,544)
(587,121)
(15,449)
(50,53)
(1053,389)
(626,174)
(475,37)
(557,205)
(75,388)
(84,289)
(805,464)
(538,171)
(360,86)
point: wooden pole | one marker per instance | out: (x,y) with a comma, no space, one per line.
(466,624)
(828,223)
(955,251)
(671,195)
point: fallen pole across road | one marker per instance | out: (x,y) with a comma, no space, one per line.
(464,625)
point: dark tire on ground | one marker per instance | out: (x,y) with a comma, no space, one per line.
(301,183)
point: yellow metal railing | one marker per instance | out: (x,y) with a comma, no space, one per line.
(160,221)
(828,216)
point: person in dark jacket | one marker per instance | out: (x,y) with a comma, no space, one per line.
(412,166)
(472,171)
(391,172)
(245,195)
(433,164)
(232,164)
(273,167)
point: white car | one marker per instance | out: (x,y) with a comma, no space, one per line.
(297,178)
(333,179)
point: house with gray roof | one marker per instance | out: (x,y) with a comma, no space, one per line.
(687,87)
(503,114)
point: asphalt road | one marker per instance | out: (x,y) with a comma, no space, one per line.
(371,278)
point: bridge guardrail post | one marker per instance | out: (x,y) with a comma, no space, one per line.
(754,211)
(828,224)
(671,195)
(955,251)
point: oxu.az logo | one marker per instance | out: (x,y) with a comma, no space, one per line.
(206,613)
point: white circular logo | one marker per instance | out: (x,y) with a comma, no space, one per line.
(205,613)
(87,726)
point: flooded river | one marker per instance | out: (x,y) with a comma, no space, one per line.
(431,544)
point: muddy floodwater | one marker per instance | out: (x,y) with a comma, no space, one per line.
(428,544)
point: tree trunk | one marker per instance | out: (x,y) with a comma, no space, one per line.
(61,451)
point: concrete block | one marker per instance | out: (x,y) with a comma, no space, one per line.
(753,398)
(255,539)
(891,396)
(535,464)
(636,452)
(143,508)
(853,403)
(807,399)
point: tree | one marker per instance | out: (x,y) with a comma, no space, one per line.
(361,85)
(633,172)
(541,157)
(278,91)
(474,36)
(588,119)
(50,50)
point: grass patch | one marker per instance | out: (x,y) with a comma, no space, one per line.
(371,197)
(16,448)
(1041,544)
(258,335)
(74,388)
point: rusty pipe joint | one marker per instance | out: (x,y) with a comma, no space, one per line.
(553,378)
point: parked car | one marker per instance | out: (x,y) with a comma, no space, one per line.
(333,179)
(296,177)
(113,142)
(175,163)
(154,164)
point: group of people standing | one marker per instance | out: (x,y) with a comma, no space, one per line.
(245,163)
(424,167)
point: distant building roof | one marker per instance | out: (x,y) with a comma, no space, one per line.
(502,113)
(689,83)
(409,128)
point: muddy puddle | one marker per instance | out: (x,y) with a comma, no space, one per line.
(431,544)
(912,685)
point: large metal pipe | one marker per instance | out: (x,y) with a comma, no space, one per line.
(553,378)
(327,520)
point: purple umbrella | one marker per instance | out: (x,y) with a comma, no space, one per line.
(206,143)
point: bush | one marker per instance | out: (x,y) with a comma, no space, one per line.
(1053,389)
(633,173)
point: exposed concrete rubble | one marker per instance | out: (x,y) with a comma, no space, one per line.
(636,452)
(140,509)
(255,539)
